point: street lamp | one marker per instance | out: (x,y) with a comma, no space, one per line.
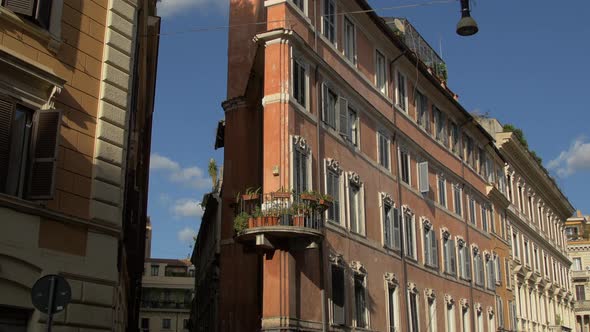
(467,25)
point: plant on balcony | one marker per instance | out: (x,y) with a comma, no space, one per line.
(326,200)
(282,193)
(310,196)
(241,222)
(256,219)
(251,194)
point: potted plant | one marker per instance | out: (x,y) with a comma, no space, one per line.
(241,222)
(309,196)
(256,218)
(326,200)
(298,214)
(251,194)
(281,193)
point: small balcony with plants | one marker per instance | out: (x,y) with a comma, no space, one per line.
(280,217)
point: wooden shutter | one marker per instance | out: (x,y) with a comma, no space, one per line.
(324,102)
(338,297)
(46,139)
(427,248)
(452,257)
(25,7)
(343,116)
(433,249)
(467,263)
(396,228)
(387,225)
(7,108)
(423,174)
(43,13)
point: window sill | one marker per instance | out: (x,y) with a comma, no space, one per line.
(53,42)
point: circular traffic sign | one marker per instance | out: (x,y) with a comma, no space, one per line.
(41,293)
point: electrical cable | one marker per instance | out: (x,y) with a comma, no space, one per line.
(222,27)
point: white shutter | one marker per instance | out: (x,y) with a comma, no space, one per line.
(423,175)
(343,116)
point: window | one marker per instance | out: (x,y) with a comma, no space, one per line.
(469,149)
(466,327)
(299,4)
(155,270)
(175,271)
(38,11)
(185,324)
(166,323)
(491,322)
(512,315)
(330,106)
(530,206)
(392,308)
(349,40)
(410,235)
(352,125)
(145,325)
(577,266)
(391,224)
(329,18)
(500,311)
(450,317)
(440,123)
(491,273)
(300,81)
(536,258)
(413,301)
(509,184)
(338,296)
(457,199)
(450,263)
(333,190)
(546,265)
(422,117)
(301,165)
(479,325)
(380,72)
(520,199)
(404,166)
(442,190)
(498,270)
(515,245)
(28,150)
(430,246)
(482,162)
(472,215)
(360,301)
(424,184)
(455,138)
(431,312)
(402,96)
(526,252)
(580,293)
(384,149)
(478,267)
(484,218)
(464,261)
(355,204)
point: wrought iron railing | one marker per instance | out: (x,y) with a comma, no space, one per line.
(161,304)
(281,209)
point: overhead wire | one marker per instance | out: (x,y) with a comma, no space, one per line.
(223,27)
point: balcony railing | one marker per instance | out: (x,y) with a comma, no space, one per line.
(157,304)
(281,212)
(582,305)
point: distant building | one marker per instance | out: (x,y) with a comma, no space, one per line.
(578,245)
(167,293)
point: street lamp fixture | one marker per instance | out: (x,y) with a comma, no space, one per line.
(467,25)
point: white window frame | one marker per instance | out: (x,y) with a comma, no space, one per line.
(353,57)
(365,295)
(428,234)
(415,293)
(401,151)
(407,213)
(383,89)
(484,218)
(385,199)
(392,325)
(381,134)
(361,227)
(333,166)
(457,188)
(465,319)
(450,322)
(297,58)
(430,305)
(353,126)
(334,23)
(398,72)
(448,247)
(299,143)
(422,119)
(442,192)
(472,211)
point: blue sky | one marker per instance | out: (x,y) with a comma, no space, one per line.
(529,65)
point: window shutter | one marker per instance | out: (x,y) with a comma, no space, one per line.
(452,257)
(43,13)
(42,179)
(387,225)
(7,108)
(423,171)
(343,115)
(426,243)
(338,297)
(24,7)
(434,249)
(467,263)
(324,102)
(396,228)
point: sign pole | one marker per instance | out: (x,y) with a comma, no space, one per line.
(50,308)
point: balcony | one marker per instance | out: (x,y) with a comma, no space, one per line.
(162,304)
(580,274)
(582,305)
(267,219)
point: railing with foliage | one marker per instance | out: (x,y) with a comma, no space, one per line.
(163,304)
(281,209)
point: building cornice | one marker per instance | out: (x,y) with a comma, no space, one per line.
(497,197)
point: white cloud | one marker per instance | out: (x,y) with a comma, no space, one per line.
(187,208)
(168,8)
(190,176)
(187,235)
(577,158)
